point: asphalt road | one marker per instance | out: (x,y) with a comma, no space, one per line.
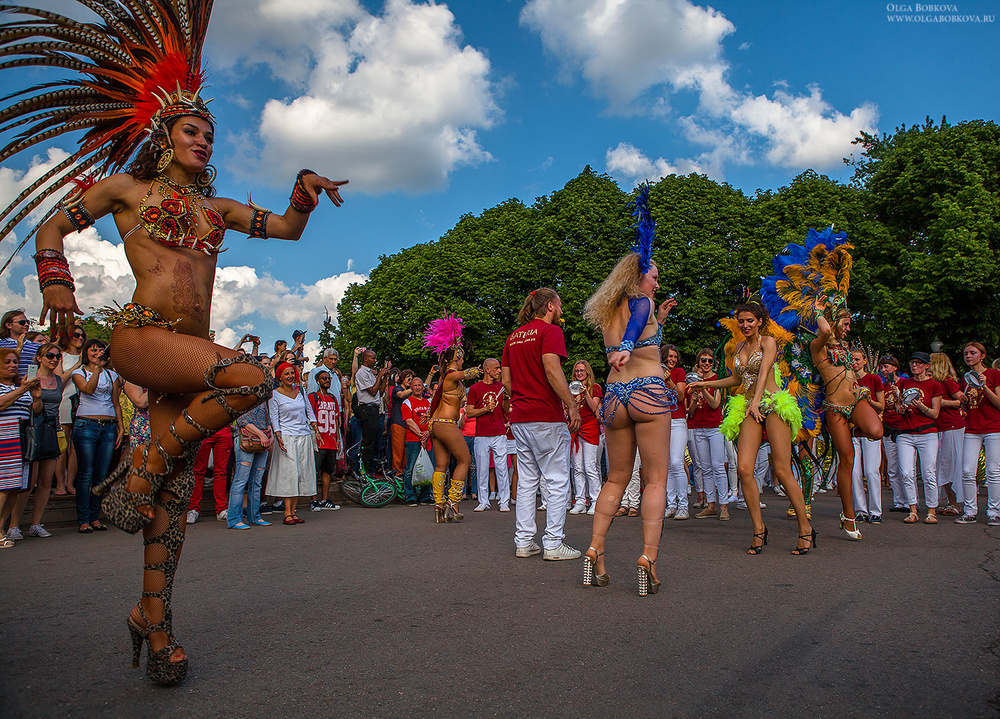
(382,613)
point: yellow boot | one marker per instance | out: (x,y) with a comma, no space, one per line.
(440,505)
(454,495)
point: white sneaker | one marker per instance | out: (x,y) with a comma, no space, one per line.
(493,496)
(14,533)
(221,516)
(38,530)
(504,508)
(763,506)
(671,511)
(579,508)
(741,505)
(563,551)
(482,508)
(192,516)
(530,551)
(681,514)
(593,507)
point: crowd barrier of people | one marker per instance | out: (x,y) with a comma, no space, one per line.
(66,417)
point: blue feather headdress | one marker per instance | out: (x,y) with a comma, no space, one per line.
(645,228)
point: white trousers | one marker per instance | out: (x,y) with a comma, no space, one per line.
(970,463)
(734,479)
(867,463)
(892,468)
(542,451)
(696,473)
(949,466)
(586,471)
(908,448)
(710,457)
(632,490)
(483,447)
(677,479)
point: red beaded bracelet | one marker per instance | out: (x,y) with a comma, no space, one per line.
(300,200)
(53,269)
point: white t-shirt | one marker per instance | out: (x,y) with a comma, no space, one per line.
(100,403)
(366,379)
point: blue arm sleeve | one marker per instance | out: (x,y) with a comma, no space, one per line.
(639,308)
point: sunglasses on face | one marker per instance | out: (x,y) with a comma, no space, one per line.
(52,355)
(78,335)
(705,359)
(24,323)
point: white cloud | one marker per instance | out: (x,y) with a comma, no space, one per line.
(391,101)
(623,48)
(636,53)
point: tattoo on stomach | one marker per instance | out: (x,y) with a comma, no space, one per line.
(187,300)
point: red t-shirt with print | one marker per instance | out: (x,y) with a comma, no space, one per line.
(950,417)
(492,424)
(326,407)
(416,409)
(678,375)
(533,399)
(983,416)
(915,421)
(704,416)
(890,418)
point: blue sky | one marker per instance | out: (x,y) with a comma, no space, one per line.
(434,111)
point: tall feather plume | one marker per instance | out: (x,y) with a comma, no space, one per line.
(645,228)
(444,333)
(142,49)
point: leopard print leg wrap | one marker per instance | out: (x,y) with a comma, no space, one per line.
(261,391)
(121,506)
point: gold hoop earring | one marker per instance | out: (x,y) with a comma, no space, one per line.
(165,159)
(207,177)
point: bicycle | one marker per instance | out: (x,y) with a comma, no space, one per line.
(370,491)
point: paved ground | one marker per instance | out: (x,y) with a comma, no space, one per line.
(379,613)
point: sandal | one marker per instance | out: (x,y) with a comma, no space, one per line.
(290,520)
(297,519)
(6,543)
(85,529)
(590,576)
(99,527)
(633,512)
(622,511)
(911,518)
(930,519)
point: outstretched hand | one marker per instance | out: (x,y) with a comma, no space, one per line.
(315,183)
(59,305)
(664,309)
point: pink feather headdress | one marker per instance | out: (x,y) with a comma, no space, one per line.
(443,334)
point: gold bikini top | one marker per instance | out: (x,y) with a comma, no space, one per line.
(749,371)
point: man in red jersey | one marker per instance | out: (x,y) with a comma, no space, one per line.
(326,407)
(414,413)
(535,382)
(891,418)
(485,405)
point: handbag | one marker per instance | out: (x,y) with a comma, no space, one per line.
(43,440)
(250,443)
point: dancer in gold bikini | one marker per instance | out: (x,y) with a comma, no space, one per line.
(762,403)
(140,93)
(846,402)
(444,336)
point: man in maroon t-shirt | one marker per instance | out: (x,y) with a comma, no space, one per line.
(534,380)
(486,405)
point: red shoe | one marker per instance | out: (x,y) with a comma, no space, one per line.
(290,520)
(298,520)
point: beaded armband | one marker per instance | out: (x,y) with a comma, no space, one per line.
(53,269)
(300,199)
(258,222)
(471,373)
(626,346)
(76,213)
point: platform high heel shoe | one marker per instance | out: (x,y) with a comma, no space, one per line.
(590,576)
(159,668)
(854,534)
(647,585)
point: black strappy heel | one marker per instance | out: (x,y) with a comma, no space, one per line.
(754,549)
(805,550)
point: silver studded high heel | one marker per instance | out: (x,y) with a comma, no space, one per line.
(647,585)
(590,576)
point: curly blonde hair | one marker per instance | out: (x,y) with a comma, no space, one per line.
(942,368)
(622,283)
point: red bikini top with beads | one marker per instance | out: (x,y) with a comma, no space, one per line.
(174,221)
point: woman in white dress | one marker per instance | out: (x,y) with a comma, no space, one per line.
(293,463)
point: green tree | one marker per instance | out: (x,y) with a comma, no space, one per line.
(936,189)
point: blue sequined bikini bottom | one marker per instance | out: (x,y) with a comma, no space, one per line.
(646,394)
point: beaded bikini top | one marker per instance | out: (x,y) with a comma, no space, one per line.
(750,370)
(174,221)
(840,357)
(651,341)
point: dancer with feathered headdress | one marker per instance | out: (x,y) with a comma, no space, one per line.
(638,403)
(761,401)
(444,336)
(137,98)
(807,295)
